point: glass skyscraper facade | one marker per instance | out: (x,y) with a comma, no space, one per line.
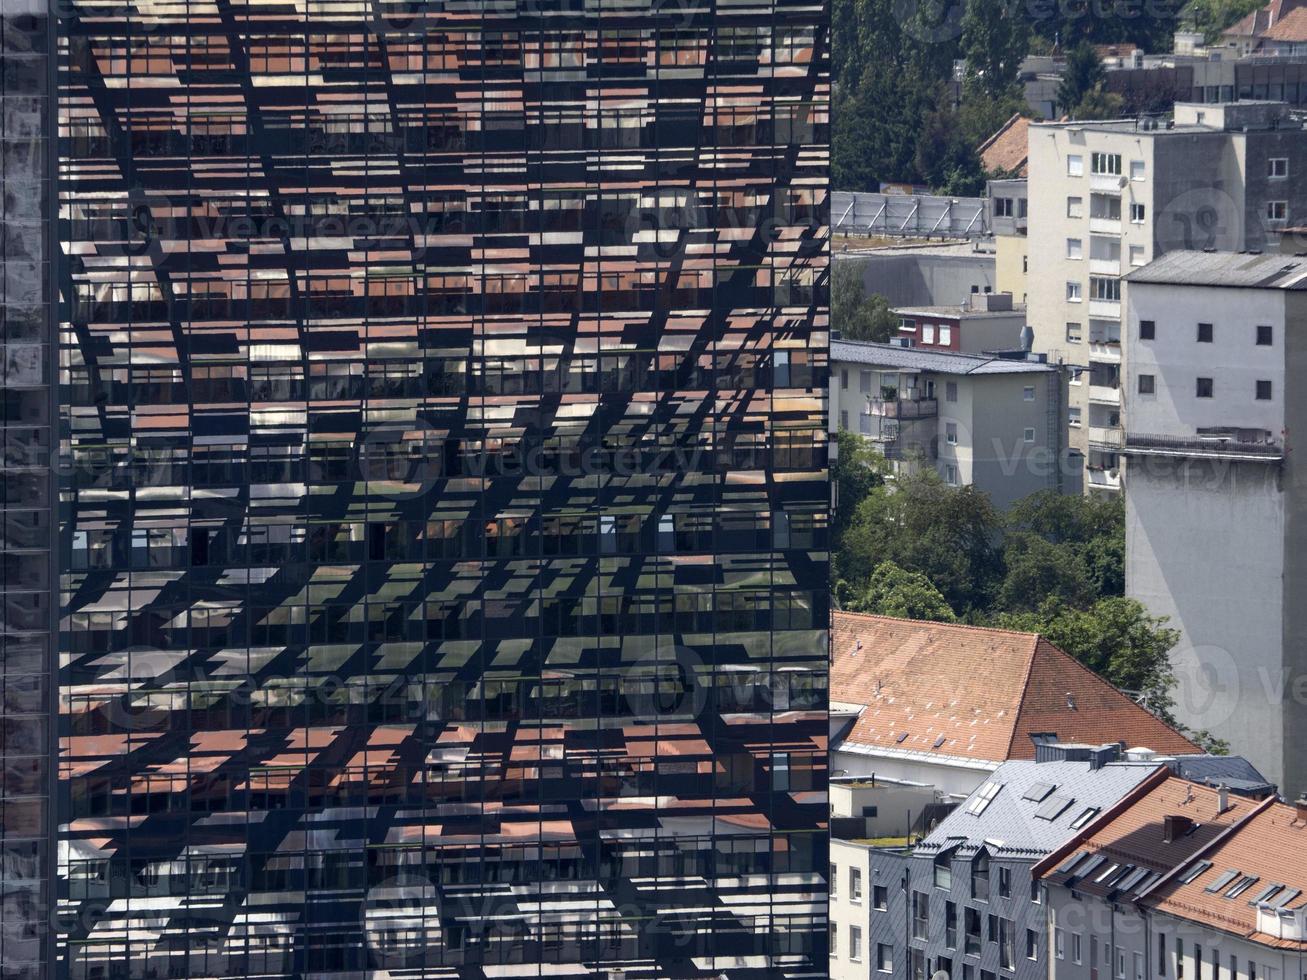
(441,409)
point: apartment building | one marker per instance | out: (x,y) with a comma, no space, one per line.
(984,322)
(945,705)
(939,274)
(1214,531)
(443,579)
(964,901)
(1181,882)
(1107,197)
(1009,222)
(995,423)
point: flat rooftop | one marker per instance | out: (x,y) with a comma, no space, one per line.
(937,361)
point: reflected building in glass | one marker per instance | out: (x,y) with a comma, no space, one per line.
(443,564)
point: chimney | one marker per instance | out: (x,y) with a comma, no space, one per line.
(1300,808)
(1175,826)
(1222,798)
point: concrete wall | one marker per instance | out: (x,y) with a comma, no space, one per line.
(1208,540)
(896,805)
(908,278)
(1002,463)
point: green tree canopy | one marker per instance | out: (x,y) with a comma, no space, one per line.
(1082,75)
(853,313)
(894,591)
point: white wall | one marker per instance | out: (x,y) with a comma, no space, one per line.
(957,779)
(846,914)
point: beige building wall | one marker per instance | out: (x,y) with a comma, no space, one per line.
(1010,265)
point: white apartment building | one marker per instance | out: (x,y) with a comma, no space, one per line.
(1110,196)
(997,423)
(1216,501)
(849,911)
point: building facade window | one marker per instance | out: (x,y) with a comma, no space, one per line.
(1205,331)
(1073,332)
(1146,384)
(1075,207)
(1203,388)
(1138,213)
(1147,329)
(1277,168)
(1075,165)
(1108,164)
(1265,333)
(1073,292)
(1263,391)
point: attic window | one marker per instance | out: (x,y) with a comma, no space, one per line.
(1242,885)
(1108,873)
(1194,870)
(1086,815)
(1071,862)
(1038,792)
(1284,899)
(902,737)
(1053,807)
(1134,878)
(983,798)
(940,741)
(1266,893)
(1221,882)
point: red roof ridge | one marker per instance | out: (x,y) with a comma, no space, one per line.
(1197,855)
(993,137)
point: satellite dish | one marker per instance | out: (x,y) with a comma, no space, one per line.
(939,975)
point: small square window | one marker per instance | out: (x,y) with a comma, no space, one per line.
(1075,166)
(1028,393)
(950,391)
(1203,389)
(1263,391)
(1136,170)
(884,958)
(1264,335)
(1137,212)
(1029,434)
(1073,292)
(1204,333)
(1137,255)
(1277,167)
(1075,248)
(1073,331)
(1147,329)
(1073,417)
(880,898)
(951,433)
(1277,210)
(1075,207)
(1147,384)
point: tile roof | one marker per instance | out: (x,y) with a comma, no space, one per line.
(1260,22)
(1270,846)
(923,359)
(1291,27)
(1006,150)
(1037,805)
(1247,270)
(975,693)
(1132,839)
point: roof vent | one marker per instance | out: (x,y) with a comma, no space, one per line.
(1300,808)
(1070,700)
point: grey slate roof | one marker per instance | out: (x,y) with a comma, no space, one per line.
(1230,269)
(1010,825)
(919,359)
(1233,771)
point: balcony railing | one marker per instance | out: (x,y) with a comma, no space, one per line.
(1229,447)
(905,408)
(1105,437)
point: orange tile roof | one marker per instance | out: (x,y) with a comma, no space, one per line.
(1006,149)
(1264,20)
(1291,27)
(976,693)
(1271,845)
(1132,833)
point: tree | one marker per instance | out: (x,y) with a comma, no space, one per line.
(894,591)
(995,39)
(1116,638)
(1082,73)
(1099,104)
(1038,570)
(856,470)
(946,533)
(853,313)
(1214,16)
(1088,533)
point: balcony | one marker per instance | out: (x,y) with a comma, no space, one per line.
(1105,394)
(905,408)
(1106,438)
(1105,267)
(1108,351)
(1110,308)
(1215,446)
(1106,480)
(1105,226)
